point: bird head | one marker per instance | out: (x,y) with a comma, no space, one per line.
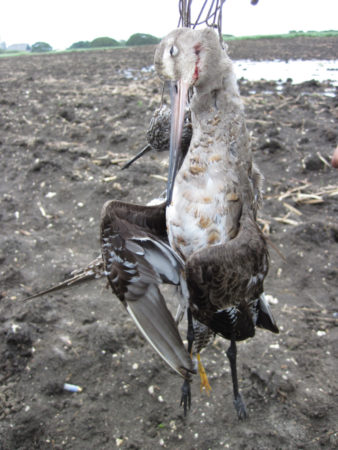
(189,56)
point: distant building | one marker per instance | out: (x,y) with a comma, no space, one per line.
(19,47)
(2,45)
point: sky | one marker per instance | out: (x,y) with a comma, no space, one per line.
(60,23)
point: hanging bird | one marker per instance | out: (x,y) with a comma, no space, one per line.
(204,238)
(158,134)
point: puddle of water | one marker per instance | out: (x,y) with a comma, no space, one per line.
(136,74)
(130,74)
(148,69)
(298,70)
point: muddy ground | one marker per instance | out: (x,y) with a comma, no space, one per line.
(67,123)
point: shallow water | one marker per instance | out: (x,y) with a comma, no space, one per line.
(298,70)
(280,71)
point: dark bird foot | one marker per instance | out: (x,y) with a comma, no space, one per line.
(240,407)
(186,396)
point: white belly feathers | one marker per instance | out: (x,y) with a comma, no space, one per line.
(203,212)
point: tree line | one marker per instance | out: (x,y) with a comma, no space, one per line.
(148,39)
(100,42)
(135,39)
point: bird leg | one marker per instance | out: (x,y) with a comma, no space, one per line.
(190,332)
(204,379)
(186,392)
(186,396)
(238,401)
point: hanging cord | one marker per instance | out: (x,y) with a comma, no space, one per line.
(210,14)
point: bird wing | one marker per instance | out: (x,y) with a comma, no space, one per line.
(224,275)
(137,259)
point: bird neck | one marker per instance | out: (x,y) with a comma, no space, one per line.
(220,135)
(217,116)
(221,93)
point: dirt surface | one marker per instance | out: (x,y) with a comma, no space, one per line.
(67,121)
(285,49)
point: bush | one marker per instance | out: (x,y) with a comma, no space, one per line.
(104,42)
(80,44)
(40,47)
(142,39)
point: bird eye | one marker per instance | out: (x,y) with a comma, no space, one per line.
(173,51)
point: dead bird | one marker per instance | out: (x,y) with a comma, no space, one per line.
(213,198)
(158,134)
(204,238)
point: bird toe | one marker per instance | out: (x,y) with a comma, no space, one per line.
(186,396)
(240,407)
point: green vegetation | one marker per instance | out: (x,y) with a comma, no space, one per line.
(148,39)
(80,44)
(291,34)
(13,53)
(41,47)
(104,42)
(142,39)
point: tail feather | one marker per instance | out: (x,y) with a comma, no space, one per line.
(265,318)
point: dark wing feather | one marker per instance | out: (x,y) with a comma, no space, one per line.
(137,259)
(225,275)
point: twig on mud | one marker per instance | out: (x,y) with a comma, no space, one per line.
(316,302)
(290,309)
(286,220)
(330,191)
(323,160)
(292,209)
(308,199)
(328,319)
(109,179)
(118,160)
(24,118)
(287,102)
(159,177)
(104,160)
(298,195)
(43,211)
(291,191)
(25,232)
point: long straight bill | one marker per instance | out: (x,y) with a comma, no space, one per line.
(178,95)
